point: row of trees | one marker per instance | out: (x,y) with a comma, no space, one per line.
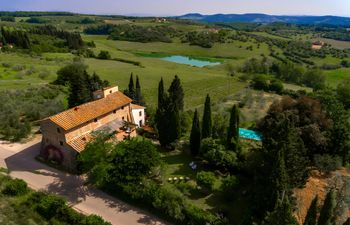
(286,71)
(220,151)
(14,36)
(204,39)
(327,212)
(27,39)
(72,40)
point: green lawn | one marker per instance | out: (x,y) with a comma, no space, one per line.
(335,77)
(197,82)
(177,165)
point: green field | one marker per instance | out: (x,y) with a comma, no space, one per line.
(197,82)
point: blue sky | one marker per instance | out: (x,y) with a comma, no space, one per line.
(179,7)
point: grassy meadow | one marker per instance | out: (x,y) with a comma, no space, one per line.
(197,82)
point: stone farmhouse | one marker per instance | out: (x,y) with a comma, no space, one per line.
(66,134)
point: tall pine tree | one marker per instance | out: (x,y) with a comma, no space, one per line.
(176,93)
(207,121)
(327,211)
(195,137)
(232,140)
(311,216)
(138,95)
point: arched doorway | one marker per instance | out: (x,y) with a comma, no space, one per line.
(53,153)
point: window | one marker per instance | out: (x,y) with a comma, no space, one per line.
(95,120)
(140,113)
(61,143)
(140,123)
(122,107)
(58,130)
(114,111)
(110,91)
(123,118)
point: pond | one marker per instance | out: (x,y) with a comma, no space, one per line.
(190,61)
(250,134)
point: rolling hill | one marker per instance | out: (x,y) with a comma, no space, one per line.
(264,18)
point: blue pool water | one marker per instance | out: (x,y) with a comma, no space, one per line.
(189,61)
(250,134)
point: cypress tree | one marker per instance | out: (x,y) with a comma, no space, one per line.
(195,137)
(326,214)
(161,116)
(131,90)
(233,130)
(176,93)
(282,214)
(280,177)
(311,216)
(207,121)
(138,95)
(295,156)
(161,93)
(173,116)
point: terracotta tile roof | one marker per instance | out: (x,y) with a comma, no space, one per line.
(83,113)
(134,106)
(80,142)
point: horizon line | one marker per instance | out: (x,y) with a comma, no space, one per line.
(168,15)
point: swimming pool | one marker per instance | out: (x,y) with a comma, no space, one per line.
(250,134)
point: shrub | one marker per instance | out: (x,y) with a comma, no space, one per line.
(185,187)
(260,82)
(197,216)
(94,220)
(15,187)
(18,68)
(206,180)
(327,163)
(209,144)
(44,74)
(104,55)
(6,64)
(48,205)
(229,183)
(276,86)
(20,75)
(222,159)
(170,201)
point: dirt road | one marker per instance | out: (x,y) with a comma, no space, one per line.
(19,159)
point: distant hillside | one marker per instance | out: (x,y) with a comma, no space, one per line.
(264,18)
